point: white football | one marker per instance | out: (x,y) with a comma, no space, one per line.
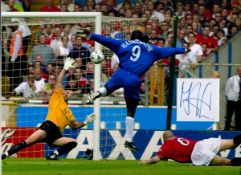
(96,57)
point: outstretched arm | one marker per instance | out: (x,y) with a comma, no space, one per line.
(153,160)
(108,42)
(68,63)
(89,119)
(60,79)
(166,52)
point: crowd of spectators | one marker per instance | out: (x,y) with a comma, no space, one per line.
(203,26)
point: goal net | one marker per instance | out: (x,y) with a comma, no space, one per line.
(34,47)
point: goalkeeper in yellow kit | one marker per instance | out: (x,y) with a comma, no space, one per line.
(59,116)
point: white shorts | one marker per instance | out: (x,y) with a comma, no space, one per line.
(205,150)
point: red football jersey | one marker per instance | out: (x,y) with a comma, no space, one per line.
(178,149)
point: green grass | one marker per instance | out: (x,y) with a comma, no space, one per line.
(17,166)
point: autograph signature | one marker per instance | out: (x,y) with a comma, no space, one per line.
(196,99)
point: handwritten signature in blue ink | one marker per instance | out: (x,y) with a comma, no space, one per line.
(197,96)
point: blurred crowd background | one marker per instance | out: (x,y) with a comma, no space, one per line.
(33,55)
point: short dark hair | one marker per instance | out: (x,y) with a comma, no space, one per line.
(137,34)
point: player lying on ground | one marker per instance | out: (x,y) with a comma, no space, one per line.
(136,57)
(59,116)
(203,152)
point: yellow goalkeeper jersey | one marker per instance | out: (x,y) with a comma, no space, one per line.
(59,112)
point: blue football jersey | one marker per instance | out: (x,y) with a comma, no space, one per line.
(135,56)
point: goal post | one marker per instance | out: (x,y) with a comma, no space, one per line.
(98,20)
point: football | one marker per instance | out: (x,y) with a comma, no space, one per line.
(97,57)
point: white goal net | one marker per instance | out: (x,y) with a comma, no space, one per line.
(34,47)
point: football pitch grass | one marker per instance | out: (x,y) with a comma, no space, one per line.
(18,166)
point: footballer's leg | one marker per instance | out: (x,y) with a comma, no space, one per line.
(37,136)
(104,91)
(218,160)
(237,140)
(93,96)
(112,84)
(14,149)
(132,97)
(130,123)
(230,143)
(66,144)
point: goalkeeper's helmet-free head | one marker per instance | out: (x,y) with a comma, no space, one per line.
(137,34)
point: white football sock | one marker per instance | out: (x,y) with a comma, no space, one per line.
(103,91)
(129,128)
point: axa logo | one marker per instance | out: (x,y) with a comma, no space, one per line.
(112,147)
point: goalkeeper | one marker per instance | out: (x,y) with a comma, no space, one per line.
(136,57)
(59,116)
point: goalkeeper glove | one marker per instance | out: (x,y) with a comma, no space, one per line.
(68,63)
(89,118)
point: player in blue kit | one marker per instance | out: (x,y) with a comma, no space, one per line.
(136,57)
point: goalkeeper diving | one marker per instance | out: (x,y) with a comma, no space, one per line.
(58,117)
